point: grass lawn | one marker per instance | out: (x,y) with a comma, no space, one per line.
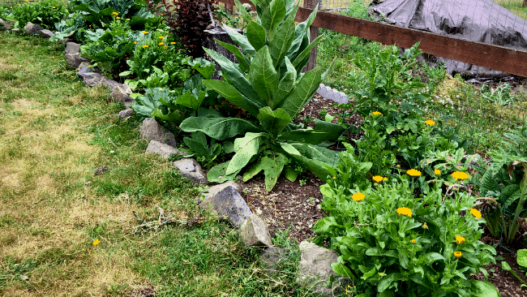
(54,133)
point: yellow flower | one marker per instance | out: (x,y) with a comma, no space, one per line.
(145,32)
(161,37)
(173,42)
(117,18)
(425,226)
(115,13)
(96,242)
(381,274)
(334,177)
(404,211)
(10,7)
(458,254)
(385,179)
(460,239)
(376,113)
(72,76)
(377,178)
(145,46)
(458,175)
(475,213)
(413,240)
(89,26)
(430,123)
(437,172)
(54,7)
(127,20)
(17,4)
(165,47)
(135,42)
(413,172)
(358,197)
(161,43)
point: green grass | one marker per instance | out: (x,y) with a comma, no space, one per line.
(55,133)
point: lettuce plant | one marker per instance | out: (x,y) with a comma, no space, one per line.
(267,83)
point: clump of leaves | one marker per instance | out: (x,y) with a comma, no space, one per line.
(188,19)
(45,13)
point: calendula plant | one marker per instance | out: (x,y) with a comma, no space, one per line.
(268,84)
(45,13)
(393,244)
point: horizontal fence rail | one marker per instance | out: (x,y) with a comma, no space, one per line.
(481,54)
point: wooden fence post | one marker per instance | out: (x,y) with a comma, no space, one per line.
(313,33)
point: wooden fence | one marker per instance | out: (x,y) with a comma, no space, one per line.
(481,54)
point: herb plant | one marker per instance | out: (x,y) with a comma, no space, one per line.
(45,13)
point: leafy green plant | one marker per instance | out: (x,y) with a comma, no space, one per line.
(99,13)
(267,84)
(393,244)
(522,262)
(199,147)
(45,13)
(502,94)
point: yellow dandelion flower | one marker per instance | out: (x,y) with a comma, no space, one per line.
(376,113)
(475,213)
(145,46)
(425,226)
(117,18)
(458,254)
(334,177)
(378,178)
(161,37)
(358,197)
(430,123)
(54,7)
(381,274)
(413,172)
(135,42)
(161,43)
(404,211)
(413,240)
(10,7)
(96,242)
(460,239)
(145,32)
(459,175)
(115,13)
(173,42)
(437,172)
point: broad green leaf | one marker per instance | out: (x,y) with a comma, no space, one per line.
(319,168)
(197,143)
(233,96)
(290,173)
(342,270)
(484,289)
(246,16)
(245,148)
(369,274)
(174,117)
(281,41)
(300,34)
(303,92)
(242,61)
(433,257)
(287,82)
(217,127)
(505,266)
(217,173)
(188,100)
(241,41)
(386,281)
(252,171)
(522,257)
(235,76)
(325,225)
(273,121)
(263,75)
(273,16)
(145,105)
(323,131)
(273,166)
(256,35)
(297,63)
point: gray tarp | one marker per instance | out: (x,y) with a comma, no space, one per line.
(475,20)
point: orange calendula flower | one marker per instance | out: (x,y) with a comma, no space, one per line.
(459,175)
(404,211)
(117,18)
(54,7)
(430,123)
(437,172)
(377,178)
(458,254)
(161,37)
(115,13)
(173,42)
(145,46)
(161,43)
(96,242)
(475,213)
(413,172)
(376,113)
(145,32)
(413,240)
(358,197)
(460,239)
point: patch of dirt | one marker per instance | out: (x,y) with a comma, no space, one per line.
(288,205)
(504,281)
(318,103)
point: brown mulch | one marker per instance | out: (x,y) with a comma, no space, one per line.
(315,106)
(288,205)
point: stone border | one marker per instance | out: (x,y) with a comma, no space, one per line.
(223,200)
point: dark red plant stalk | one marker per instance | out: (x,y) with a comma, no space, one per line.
(188,19)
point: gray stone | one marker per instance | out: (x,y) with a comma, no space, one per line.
(272,256)
(46,33)
(2,22)
(190,168)
(73,55)
(228,204)
(119,92)
(15,30)
(165,150)
(32,28)
(89,76)
(128,102)
(152,130)
(124,114)
(315,269)
(217,188)
(254,232)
